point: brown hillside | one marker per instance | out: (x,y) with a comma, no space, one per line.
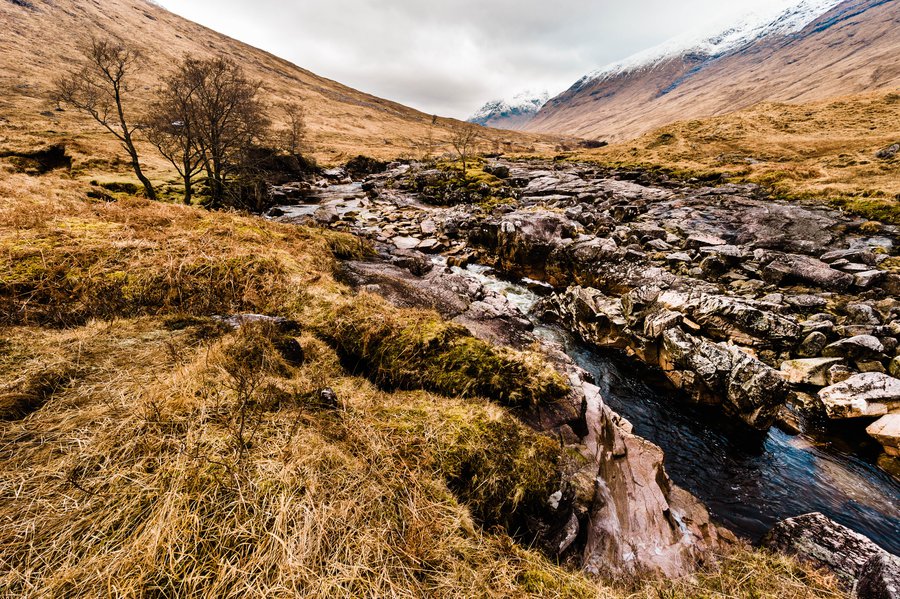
(41,40)
(852,49)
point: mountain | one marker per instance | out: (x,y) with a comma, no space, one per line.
(810,51)
(42,40)
(514,113)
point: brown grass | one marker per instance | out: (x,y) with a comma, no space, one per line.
(824,150)
(150,451)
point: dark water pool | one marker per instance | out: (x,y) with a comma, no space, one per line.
(749,482)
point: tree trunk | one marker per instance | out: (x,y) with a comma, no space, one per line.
(188,191)
(148,186)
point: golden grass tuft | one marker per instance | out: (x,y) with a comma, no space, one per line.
(414,349)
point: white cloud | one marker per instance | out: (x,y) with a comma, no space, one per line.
(450,56)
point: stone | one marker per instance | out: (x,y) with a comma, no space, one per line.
(813,345)
(879,578)
(728,318)
(872,366)
(658,245)
(679,257)
(889,152)
(839,373)
(852,254)
(789,269)
(806,302)
(861,347)
(886,430)
(869,278)
(868,394)
(659,322)
(816,539)
(808,372)
(699,240)
(428,227)
(894,368)
(406,243)
(860,313)
(328,399)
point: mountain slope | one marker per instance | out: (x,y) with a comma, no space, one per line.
(514,113)
(816,50)
(42,38)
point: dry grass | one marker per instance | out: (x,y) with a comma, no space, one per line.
(150,451)
(822,150)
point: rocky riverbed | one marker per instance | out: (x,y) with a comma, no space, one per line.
(770,313)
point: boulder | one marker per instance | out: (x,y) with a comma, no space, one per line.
(879,578)
(839,373)
(727,318)
(869,394)
(861,313)
(639,521)
(818,540)
(869,278)
(723,374)
(813,345)
(886,431)
(861,347)
(812,371)
(789,269)
(889,152)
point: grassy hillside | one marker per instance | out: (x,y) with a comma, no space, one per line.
(822,150)
(150,450)
(43,40)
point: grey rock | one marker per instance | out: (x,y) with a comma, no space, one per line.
(790,269)
(879,578)
(860,313)
(869,278)
(869,394)
(812,345)
(806,302)
(812,371)
(888,153)
(839,373)
(861,347)
(818,540)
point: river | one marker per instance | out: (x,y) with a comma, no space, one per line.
(748,481)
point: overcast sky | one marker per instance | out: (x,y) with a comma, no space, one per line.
(451,56)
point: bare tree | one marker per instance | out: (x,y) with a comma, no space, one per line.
(464,141)
(171,127)
(228,118)
(293,135)
(98,89)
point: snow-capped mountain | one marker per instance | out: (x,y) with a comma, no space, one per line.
(754,26)
(512,113)
(798,51)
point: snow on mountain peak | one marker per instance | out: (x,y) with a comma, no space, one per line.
(523,104)
(786,18)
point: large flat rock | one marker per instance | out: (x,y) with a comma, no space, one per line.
(870,394)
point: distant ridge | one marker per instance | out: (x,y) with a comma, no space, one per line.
(812,50)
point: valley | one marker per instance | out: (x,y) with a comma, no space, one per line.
(274,336)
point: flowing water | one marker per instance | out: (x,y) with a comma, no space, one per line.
(749,482)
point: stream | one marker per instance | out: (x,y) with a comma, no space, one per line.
(748,484)
(748,481)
